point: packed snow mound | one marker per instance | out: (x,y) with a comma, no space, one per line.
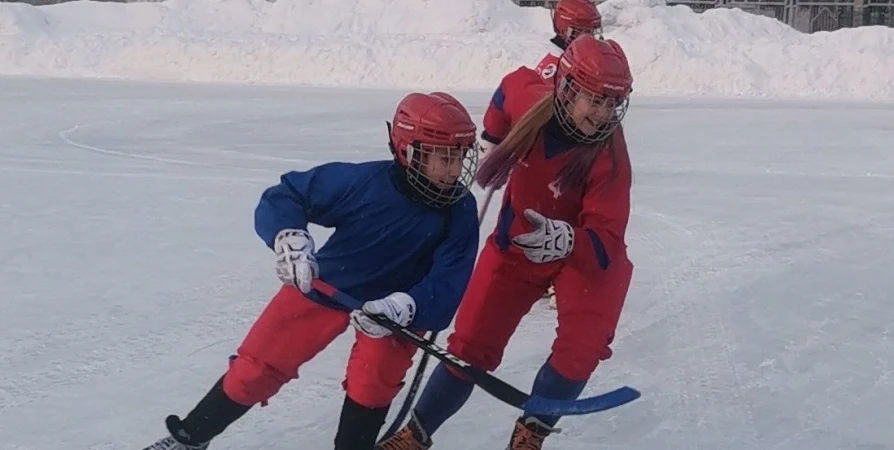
(731,52)
(429,44)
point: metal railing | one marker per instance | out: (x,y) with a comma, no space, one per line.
(808,16)
(804,15)
(55,2)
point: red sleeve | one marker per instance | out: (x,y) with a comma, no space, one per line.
(518,91)
(606,210)
(496,121)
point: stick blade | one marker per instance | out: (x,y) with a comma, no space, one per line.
(549,407)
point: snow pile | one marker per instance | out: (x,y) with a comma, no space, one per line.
(457,44)
(731,52)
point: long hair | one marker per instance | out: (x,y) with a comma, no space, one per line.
(495,168)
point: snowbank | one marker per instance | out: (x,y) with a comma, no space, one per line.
(456,44)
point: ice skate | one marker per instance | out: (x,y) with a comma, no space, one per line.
(410,437)
(171,443)
(529,434)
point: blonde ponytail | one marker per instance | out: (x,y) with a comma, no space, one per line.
(494,169)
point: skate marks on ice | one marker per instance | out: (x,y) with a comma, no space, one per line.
(757,317)
(142,331)
(799,262)
(114,268)
(145,130)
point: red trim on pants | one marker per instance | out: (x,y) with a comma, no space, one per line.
(292,330)
(504,287)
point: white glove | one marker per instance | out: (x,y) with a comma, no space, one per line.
(295,261)
(398,307)
(552,240)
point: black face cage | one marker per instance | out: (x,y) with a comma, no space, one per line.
(452,169)
(568,92)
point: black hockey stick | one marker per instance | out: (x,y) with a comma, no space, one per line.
(496,387)
(411,394)
(423,362)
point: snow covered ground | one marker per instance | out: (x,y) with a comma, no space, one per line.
(759,317)
(456,44)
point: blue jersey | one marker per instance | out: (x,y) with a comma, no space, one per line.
(384,240)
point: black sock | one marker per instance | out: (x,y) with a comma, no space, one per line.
(211,416)
(359,426)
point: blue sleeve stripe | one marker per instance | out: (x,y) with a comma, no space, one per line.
(498,98)
(601,255)
(504,220)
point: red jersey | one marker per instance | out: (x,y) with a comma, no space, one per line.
(546,69)
(598,211)
(547,66)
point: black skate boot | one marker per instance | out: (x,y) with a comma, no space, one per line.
(179,439)
(214,413)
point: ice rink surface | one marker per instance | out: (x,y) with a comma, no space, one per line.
(762,234)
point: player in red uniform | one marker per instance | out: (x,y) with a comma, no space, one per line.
(571,18)
(562,222)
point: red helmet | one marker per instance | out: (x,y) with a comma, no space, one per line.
(434,139)
(572,18)
(595,71)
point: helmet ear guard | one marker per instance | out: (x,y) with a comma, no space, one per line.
(390,141)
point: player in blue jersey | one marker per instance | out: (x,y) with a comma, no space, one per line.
(405,242)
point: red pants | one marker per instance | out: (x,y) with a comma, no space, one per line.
(504,287)
(290,332)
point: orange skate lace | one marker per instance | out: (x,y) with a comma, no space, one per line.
(525,439)
(402,440)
